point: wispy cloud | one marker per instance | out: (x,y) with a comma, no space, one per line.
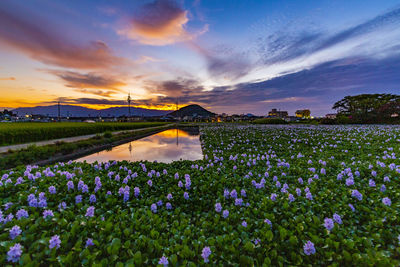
(91,83)
(223,63)
(7,79)
(160,22)
(373,38)
(36,38)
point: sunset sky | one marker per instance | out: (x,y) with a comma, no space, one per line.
(228,56)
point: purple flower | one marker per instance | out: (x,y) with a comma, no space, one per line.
(90,212)
(42,203)
(89,242)
(218,207)
(55,242)
(238,202)
(225,213)
(163,261)
(233,194)
(386,179)
(62,206)
(226,193)
(268,222)
(337,218)
(153,208)
(159,203)
(136,191)
(291,198)
(22,214)
(206,253)
(371,183)
(52,189)
(309,248)
(243,193)
(309,196)
(349,181)
(78,199)
(47,213)
(92,199)
(244,224)
(298,191)
(180,184)
(70,185)
(85,188)
(168,206)
(352,207)
(150,182)
(14,253)
(273,196)
(169,196)
(386,201)
(356,194)
(328,223)
(15,231)
(186,195)
(383,188)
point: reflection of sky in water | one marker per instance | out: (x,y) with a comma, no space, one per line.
(167,146)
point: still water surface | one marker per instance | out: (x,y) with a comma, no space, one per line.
(166,146)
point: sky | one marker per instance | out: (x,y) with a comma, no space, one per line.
(228,56)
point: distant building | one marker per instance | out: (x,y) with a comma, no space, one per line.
(303,113)
(278,113)
(330,116)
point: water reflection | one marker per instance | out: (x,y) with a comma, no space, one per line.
(166,146)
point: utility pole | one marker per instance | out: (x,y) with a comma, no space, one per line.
(129,103)
(59,113)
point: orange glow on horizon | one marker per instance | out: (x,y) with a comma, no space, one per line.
(14,105)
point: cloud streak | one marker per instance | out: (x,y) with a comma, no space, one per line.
(160,22)
(362,39)
(35,38)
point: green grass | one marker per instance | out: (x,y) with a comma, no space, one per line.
(18,133)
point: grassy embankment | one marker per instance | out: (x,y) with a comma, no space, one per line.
(61,151)
(19,133)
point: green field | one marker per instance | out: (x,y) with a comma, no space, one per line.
(18,133)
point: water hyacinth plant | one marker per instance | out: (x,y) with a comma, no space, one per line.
(263,195)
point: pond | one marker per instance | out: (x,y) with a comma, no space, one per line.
(167,146)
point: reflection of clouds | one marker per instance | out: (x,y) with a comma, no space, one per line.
(161,147)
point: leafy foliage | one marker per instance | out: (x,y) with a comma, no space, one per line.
(369,107)
(261,165)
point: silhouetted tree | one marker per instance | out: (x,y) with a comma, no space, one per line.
(368,107)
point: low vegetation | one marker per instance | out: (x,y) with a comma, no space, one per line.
(25,132)
(263,195)
(270,121)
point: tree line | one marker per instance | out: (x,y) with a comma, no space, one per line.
(368,108)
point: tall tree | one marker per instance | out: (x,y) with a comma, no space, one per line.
(368,107)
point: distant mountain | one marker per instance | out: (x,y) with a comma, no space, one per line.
(192,110)
(77,111)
